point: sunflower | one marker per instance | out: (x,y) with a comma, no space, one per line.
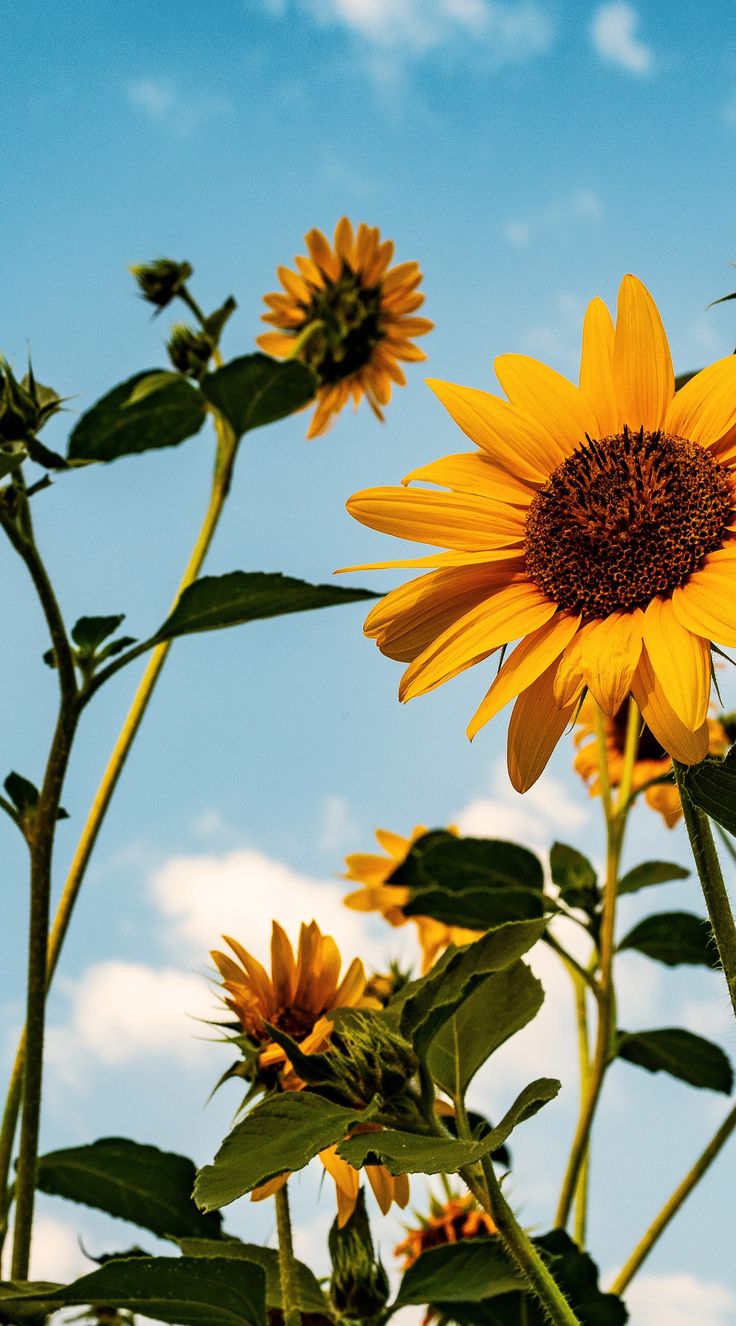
(651,761)
(297,997)
(595,525)
(372,870)
(349,316)
(448,1222)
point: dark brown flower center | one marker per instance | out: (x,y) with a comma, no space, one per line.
(346,328)
(296,1022)
(625,518)
(648,749)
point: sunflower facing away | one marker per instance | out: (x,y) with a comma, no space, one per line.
(651,761)
(595,525)
(372,870)
(349,316)
(297,997)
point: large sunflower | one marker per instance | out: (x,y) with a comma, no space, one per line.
(347,314)
(595,525)
(297,997)
(372,870)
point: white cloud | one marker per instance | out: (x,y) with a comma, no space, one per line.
(536,818)
(613,32)
(179,112)
(582,204)
(55,1252)
(679,1299)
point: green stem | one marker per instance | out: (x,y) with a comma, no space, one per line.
(673,1204)
(711,882)
(581,1191)
(287,1263)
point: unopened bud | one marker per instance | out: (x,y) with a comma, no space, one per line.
(359,1286)
(159,282)
(370,1058)
(190,351)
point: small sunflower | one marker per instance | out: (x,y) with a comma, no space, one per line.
(651,761)
(349,316)
(297,997)
(595,525)
(373,870)
(448,1222)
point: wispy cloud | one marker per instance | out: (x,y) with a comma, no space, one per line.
(162,100)
(680,1299)
(582,205)
(613,32)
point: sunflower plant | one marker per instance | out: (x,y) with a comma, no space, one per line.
(592,532)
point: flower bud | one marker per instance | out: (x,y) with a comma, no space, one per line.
(161,281)
(190,351)
(359,1286)
(369,1058)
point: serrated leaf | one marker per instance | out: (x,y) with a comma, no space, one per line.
(500,1006)
(215,602)
(186,1291)
(680,1053)
(712,787)
(444,861)
(115,427)
(138,1183)
(465,1272)
(574,876)
(310,1297)
(437,996)
(674,938)
(89,632)
(255,390)
(412,1153)
(651,872)
(280,1134)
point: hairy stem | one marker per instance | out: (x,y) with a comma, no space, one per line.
(287,1264)
(581,1190)
(673,1204)
(711,882)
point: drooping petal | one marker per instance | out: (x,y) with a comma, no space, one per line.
(271,1186)
(382,1185)
(257,974)
(610,653)
(530,658)
(704,410)
(551,400)
(450,520)
(511,613)
(535,727)
(681,662)
(596,367)
(678,740)
(510,437)
(487,556)
(706,604)
(642,363)
(470,473)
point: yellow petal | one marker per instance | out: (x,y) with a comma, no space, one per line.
(283,967)
(610,653)
(322,254)
(509,436)
(345,241)
(569,680)
(395,844)
(450,520)
(596,367)
(399,275)
(346,1178)
(681,661)
(551,400)
(401,1190)
(678,740)
(706,604)
(382,1185)
(507,615)
(295,285)
(530,658)
(471,473)
(642,364)
(257,975)
(535,728)
(351,987)
(367,867)
(268,1189)
(276,343)
(486,557)
(704,410)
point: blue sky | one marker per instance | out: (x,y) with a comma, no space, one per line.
(527,154)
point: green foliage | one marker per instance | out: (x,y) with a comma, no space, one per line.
(131,419)
(366,1058)
(500,1006)
(674,938)
(213,602)
(712,787)
(411,1153)
(282,1133)
(465,1272)
(359,1286)
(474,882)
(186,1291)
(310,1297)
(575,877)
(651,872)
(256,390)
(431,1001)
(680,1053)
(24,796)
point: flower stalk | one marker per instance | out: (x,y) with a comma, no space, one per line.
(287,1262)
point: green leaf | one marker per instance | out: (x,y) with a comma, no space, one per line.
(310,1297)
(673,938)
(680,1053)
(464,1272)
(161,414)
(256,390)
(712,787)
(510,877)
(434,998)
(138,1183)
(411,1153)
(281,1134)
(574,876)
(500,1006)
(27,1301)
(22,792)
(213,602)
(651,872)
(89,632)
(186,1291)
